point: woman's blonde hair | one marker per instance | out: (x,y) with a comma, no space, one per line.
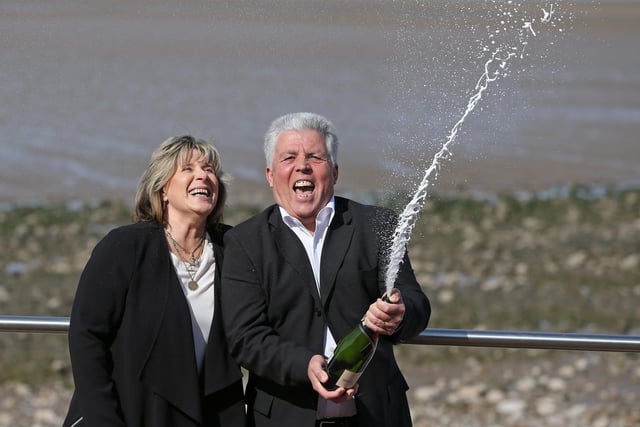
(164,161)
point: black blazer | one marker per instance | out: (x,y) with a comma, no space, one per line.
(274,317)
(131,342)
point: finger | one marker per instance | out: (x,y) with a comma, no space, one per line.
(352,391)
(320,374)
(345,396)
(394,296)
(316,372)
(374,323)
(337,395)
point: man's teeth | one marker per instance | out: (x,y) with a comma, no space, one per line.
(301,185)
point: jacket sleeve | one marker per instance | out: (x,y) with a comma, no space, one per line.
(417,306)
(253,340)
(95,317)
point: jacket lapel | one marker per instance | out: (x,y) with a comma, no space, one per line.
(335,247)
(293,251)
(170,368)
(219,369)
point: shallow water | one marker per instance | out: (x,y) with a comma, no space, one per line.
(90,89)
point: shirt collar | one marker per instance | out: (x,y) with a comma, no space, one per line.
(322,219)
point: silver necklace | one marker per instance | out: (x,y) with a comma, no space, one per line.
(193,284)
(194,261)
(192,266)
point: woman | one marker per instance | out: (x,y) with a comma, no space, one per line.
(145,339)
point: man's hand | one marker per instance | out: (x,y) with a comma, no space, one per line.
(318,376)
(383,317)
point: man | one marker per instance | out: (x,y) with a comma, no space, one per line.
(300,275)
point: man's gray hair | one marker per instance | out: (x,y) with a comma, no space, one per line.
(300,122)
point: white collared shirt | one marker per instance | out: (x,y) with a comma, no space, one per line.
(313,244)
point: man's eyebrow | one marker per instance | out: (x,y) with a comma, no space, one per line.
(294,152)
(320,153)
(288,152)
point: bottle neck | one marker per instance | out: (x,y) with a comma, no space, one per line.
(363,324)
(366,330)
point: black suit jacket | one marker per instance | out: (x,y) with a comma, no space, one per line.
(131,342)
(274,317)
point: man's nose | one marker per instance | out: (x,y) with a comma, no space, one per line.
(302,163)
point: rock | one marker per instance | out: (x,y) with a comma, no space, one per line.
(525,384)
(494,396)
(576,259)
(4,294)
(445,296)
(426,393)
(511,407)
(15,268)
(630,262)
(556,384)
(470,393)
(545,406)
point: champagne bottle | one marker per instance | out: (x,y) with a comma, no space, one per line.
(351,356)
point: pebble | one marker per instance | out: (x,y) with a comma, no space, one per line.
(565,389)
(568,390)
(507,396)
(513,407)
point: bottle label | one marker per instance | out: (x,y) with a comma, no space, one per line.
(348,379)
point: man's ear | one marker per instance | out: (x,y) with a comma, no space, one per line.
(269,174)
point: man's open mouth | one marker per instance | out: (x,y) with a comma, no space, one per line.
(303,185)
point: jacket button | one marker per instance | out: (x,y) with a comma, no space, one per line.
(318,312)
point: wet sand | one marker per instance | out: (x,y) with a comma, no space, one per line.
(89,92)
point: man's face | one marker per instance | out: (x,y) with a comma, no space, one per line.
(301,175)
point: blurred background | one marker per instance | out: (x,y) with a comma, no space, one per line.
(90,88)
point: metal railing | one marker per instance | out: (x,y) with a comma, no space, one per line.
(34,324)
(430,336)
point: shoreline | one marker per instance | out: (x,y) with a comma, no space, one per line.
(251,196)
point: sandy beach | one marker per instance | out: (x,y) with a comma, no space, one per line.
(88,92)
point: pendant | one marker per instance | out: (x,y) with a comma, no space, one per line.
(193,285)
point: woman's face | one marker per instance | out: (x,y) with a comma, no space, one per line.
(192,190)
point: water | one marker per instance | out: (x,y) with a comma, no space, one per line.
(496,67)
(90,88)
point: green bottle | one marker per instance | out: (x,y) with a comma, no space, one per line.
(351,356)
